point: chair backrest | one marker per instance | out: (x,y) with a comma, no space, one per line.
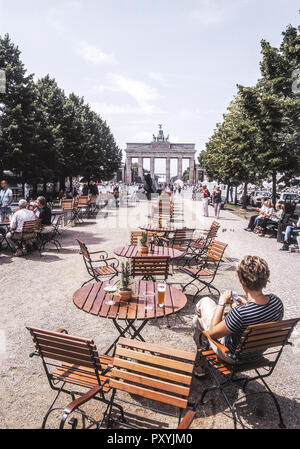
(67,204)
(84,251)
(136,235)
(152,371)
(213,230)
(183,235)
(83,200)
(260,337)
(148,267)
(61,347)
(216,250)
(31,226)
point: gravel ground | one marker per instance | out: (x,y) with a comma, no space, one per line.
(38,291)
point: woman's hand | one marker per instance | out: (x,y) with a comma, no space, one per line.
(226,297)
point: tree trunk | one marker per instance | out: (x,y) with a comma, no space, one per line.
(235,196)
(62,183)
(71,183)
(34,191)
(274,188)
(227,193)
(244,206)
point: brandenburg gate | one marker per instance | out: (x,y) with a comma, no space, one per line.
(159,148)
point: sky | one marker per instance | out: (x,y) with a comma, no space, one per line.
(141,63)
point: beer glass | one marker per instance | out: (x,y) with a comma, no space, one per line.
(161,291)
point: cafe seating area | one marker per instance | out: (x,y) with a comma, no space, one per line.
(158,272)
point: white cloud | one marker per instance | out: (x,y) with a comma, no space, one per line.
(92,54)
(140,91)
(143,94)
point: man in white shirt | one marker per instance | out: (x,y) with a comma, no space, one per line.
(16,225)
(262,208)
(6,198)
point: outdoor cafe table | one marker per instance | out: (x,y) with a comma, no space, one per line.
(156,228)
(160,251)
(92,299)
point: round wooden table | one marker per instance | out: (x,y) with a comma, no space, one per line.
(92,299)
(160,251)
(156,228)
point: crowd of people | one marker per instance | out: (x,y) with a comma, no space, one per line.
(268,215)
(27,211)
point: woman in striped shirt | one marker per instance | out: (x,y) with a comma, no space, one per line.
(253,273)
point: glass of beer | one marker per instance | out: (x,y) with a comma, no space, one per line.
(161,291)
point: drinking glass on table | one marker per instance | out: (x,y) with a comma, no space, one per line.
(161,291)
(110,290)
(149,300)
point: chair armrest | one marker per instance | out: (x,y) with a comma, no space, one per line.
(187,420)
(112,258)
(61,331)
(215,342)
(105,261)
(98,252)
(80,401)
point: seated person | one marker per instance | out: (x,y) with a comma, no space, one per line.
(289,231)
(253,273)
(266,213)
(16,225)
(260,211)
(274,219)
(43,212)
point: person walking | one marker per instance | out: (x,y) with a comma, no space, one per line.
(6,198)
(217,201)
(205,196)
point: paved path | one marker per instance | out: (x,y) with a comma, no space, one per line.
(38,291)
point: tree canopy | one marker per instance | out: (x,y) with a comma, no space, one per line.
(46,135)
(260,133)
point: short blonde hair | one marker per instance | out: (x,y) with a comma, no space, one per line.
(253,272)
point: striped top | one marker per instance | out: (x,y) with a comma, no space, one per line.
(240,317)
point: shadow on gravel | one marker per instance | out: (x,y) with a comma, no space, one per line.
(253,412)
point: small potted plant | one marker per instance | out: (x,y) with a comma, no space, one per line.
(125,290)
(144,243)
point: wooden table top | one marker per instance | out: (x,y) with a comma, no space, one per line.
(156,228)
(133,251)
(92,299)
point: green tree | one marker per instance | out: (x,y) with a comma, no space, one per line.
(18,119)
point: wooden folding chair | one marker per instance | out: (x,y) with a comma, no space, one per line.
(29,228)
(203,274)
(267,339)
(198,248)
(108,268)
(83,206)
(149,267)
(70,362)
(181,240)
(136,235)
(156,373)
